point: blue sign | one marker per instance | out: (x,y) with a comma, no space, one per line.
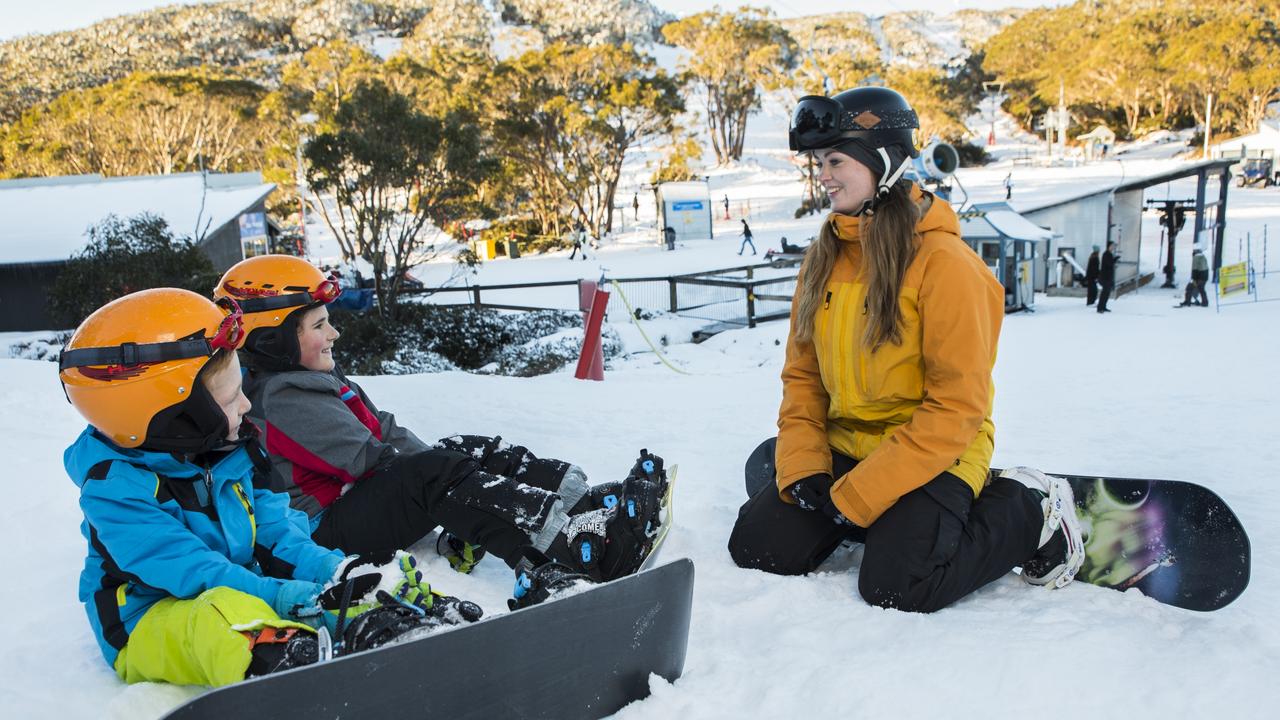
(253,225)
(687,205)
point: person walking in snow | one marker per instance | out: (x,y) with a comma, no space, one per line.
(1199,276)
(176,519)
(1107,276)
(1091,276)
(746,239)
(368,484)
(576,237)
(669,235)
(884,433)
(635,204)
(1008,186)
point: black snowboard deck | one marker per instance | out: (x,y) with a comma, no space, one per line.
(581,656)
(1177,542)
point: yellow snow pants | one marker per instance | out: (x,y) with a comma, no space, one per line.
(201,641)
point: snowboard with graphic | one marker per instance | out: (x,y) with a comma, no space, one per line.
(1175,541)
(584,655)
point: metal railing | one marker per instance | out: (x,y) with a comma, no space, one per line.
(730,295)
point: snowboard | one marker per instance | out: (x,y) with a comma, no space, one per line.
(665,516)
(583,655)
(1176,542)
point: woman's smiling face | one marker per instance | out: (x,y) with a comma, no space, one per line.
(848,182)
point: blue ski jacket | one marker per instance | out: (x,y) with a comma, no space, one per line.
(158,526)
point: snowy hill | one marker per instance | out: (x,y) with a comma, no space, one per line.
(1147,390)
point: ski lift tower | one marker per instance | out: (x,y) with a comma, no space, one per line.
(993,90)
(1057,119)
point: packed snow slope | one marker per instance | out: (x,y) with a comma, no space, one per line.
(1147,390)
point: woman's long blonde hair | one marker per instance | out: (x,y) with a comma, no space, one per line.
(889,241)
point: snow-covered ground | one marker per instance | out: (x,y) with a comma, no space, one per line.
(1147,390)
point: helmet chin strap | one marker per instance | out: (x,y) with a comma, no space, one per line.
(886,183)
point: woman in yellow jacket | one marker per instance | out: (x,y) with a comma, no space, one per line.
(885,432)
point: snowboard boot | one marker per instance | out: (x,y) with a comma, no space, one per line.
(462,555)
(1060,551)
(276,649)
(611,530)
(544,579)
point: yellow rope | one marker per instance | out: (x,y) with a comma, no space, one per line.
(632,314)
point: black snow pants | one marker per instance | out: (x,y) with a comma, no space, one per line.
(484,491)
(933,547)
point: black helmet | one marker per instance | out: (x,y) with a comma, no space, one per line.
(874,125)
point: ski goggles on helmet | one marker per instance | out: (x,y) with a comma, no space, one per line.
(819,121)
(326,292)
(229,335)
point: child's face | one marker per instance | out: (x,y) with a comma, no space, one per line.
(315,340)
(224,388)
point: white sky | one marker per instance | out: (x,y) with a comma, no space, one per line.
(21,18)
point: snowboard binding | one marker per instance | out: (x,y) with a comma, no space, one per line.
(462,555)
(274,650)
(542,580)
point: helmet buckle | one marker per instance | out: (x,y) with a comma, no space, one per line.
(128,354)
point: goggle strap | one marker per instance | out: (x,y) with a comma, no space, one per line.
(275,302)
(129,354)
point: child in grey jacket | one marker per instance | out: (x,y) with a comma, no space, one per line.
(368,484)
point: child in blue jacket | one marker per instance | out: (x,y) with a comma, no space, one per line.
(179,534)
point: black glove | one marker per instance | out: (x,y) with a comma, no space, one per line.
(814,493)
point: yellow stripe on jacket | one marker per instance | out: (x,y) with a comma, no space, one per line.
(906,412)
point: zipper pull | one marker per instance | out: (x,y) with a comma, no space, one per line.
(827,303)
(208,483)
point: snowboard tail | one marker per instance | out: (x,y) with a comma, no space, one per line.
(581,656)
(1175,541)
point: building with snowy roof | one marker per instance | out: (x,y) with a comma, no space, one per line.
(1115,214)
(1006,241)
(45,221)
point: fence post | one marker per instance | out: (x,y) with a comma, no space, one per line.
(751,306)
(750,273)
(675,303)
(475,295)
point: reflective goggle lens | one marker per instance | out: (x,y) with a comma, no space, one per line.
(327,291)
(815,122)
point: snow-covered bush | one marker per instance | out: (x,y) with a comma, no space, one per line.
(40,347)
(437,338)
(548,354)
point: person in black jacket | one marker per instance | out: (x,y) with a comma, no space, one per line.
(1091,276)
(1107,276)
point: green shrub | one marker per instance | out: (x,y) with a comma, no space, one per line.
(125,256)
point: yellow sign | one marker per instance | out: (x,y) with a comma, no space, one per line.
(1233,279)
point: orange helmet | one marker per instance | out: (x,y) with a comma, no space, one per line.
(270,290)
(130,368)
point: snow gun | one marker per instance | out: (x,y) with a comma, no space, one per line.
(934,167)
